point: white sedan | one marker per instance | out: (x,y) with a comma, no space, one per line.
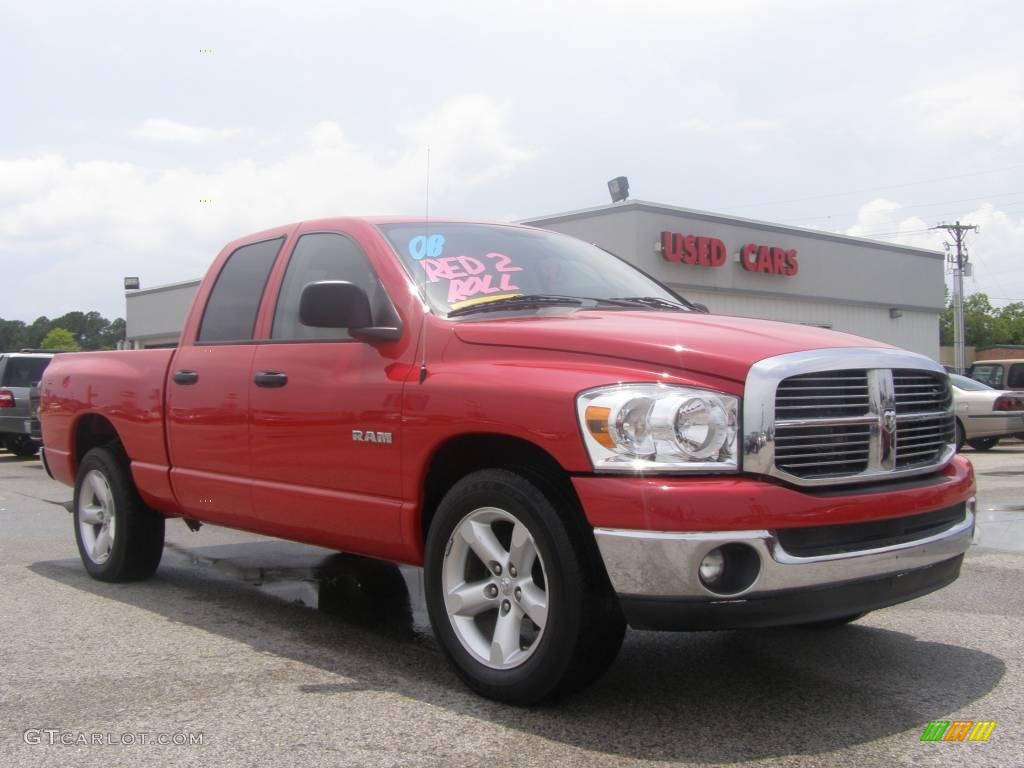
(984,415)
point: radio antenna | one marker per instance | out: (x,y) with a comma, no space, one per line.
(423,284)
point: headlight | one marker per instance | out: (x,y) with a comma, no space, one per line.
(638,427)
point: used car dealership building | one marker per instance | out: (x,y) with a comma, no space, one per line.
(734,266)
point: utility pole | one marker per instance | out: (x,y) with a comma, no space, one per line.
(959,232)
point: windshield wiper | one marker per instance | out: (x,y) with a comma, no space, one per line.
(646,301)
(527,301)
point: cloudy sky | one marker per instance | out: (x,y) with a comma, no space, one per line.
(878,119)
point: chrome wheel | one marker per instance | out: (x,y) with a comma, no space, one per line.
(96,520)
(495,588)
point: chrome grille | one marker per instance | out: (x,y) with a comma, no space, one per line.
(828,393)
(823,450)
(921,391)
(922,441)
(812,420)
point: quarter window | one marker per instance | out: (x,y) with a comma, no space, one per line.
(235,299)
(326,256)
(1015,379)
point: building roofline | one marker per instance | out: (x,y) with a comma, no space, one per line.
(163,287)
(645,205)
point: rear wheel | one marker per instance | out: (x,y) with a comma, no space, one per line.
(119,537)
(22,445)
(516,592)
(983,443)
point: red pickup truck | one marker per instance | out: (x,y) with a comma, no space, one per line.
(564,444)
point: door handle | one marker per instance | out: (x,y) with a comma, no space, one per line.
(185,377)
(270,379)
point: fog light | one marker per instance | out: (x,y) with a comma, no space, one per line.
(712,566)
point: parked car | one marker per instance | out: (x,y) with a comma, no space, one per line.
(985,415)
(999,374)
(563,443)
(19,371)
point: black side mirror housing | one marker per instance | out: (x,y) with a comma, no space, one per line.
(334,304)
(344,305)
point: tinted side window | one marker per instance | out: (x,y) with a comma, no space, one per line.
(24,371)
(1015,379)
(325,256)
(988,374)
(235,299)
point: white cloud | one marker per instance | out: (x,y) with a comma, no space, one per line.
(995,250)
(159,129)
(82,225)
(987,105)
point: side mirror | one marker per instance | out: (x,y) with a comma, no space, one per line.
(341,304)
(334,304)
(701,307)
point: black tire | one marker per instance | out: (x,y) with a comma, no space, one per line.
(584,625)
(839,621)
(22,445)
(983,443)
(959,432)
(138,539)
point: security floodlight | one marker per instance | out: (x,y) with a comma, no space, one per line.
(131,283)
(618,188)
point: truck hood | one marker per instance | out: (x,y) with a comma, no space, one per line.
(713,344)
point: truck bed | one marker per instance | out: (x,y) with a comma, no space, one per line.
(125,388)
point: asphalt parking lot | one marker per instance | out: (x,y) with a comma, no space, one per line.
(279,654)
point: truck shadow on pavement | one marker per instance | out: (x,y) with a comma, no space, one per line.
(702,697)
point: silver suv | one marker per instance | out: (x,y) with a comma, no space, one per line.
(19,371)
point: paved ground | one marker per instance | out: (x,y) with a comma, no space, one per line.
(266,680)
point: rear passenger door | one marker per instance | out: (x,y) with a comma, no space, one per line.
(313,393)
(208,392)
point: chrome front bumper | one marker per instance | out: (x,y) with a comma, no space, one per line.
(665,565)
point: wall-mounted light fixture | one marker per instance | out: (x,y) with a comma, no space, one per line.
(895,312)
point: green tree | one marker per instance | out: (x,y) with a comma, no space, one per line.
(38,330)
(1012,316)
(60,338)
(13,335)
(112,334)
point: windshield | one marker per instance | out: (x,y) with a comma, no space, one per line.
(962,382)
(466,264)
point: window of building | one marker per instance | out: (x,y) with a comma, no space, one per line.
(235,299)
(326,256)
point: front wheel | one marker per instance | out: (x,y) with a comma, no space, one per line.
(983,443)
(119,537)
(515,589)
